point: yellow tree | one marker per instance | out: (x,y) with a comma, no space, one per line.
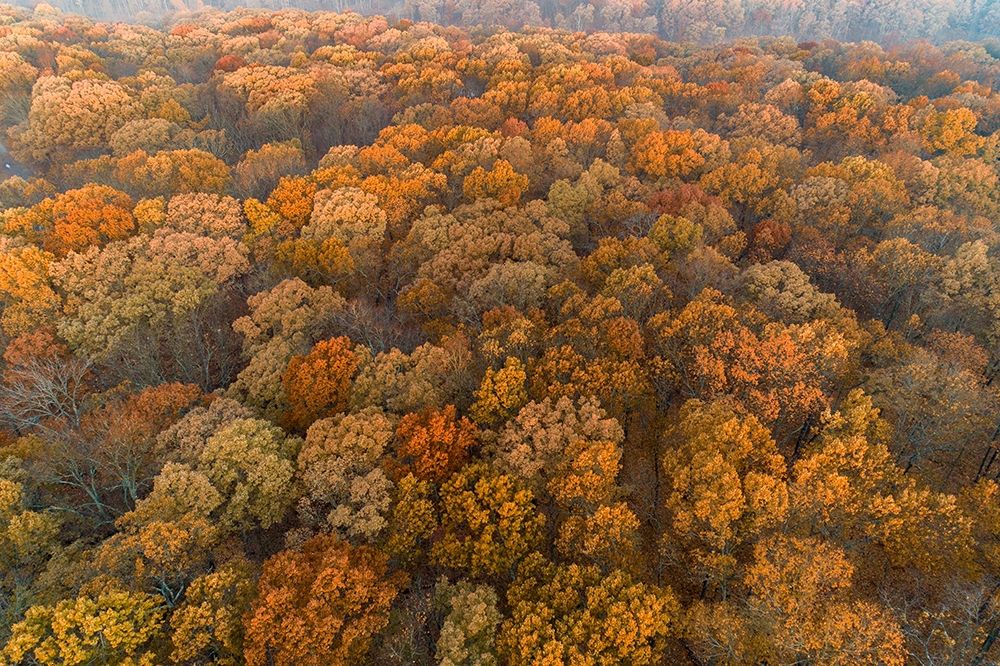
(111,627)
(488,523)
(208,623)
(501,183)
(500,394)
(26,293)
(572,614)
(725,486)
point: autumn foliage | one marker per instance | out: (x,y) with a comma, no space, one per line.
(434,443)
(318,384)
(320,605)
(500,333)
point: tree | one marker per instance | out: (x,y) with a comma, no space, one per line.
(317,262)
(752,183)
(412,521)
(180,493)
(148,134)
(354,218)
(468,634)
(675,235)
(237,474)
(762,121)
(842,199)
(501,394)
(925,531)
(538,439)
(28,537)
(965,290)
(639,289)
(171,172)
(951,131)
(725,486)
(673,154)
(258,173)
(606,535)
(430,376)
(91,215)
(575,614)
(833,485)
(804,590)
(125,432)
(942,412)
(28,298)
(249,462)
(151,300)
(43,384)
(208,624)
(784,292)
(432,444)
(595,350)
(67,117)
(318,384)
(501,183)
(483,255)
(292,200)
(705,351)
(97,462)
(488,523)
(112,627)
(283,321)
(185,439)
(159,555)
(322,604)
(480,338)
(340,465)
(204,214)
(18,78)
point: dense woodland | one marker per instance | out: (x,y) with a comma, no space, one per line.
(334,340)
(689,20)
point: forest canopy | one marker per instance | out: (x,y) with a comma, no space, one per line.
(340,339)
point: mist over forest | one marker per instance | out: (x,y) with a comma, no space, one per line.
(702,21)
